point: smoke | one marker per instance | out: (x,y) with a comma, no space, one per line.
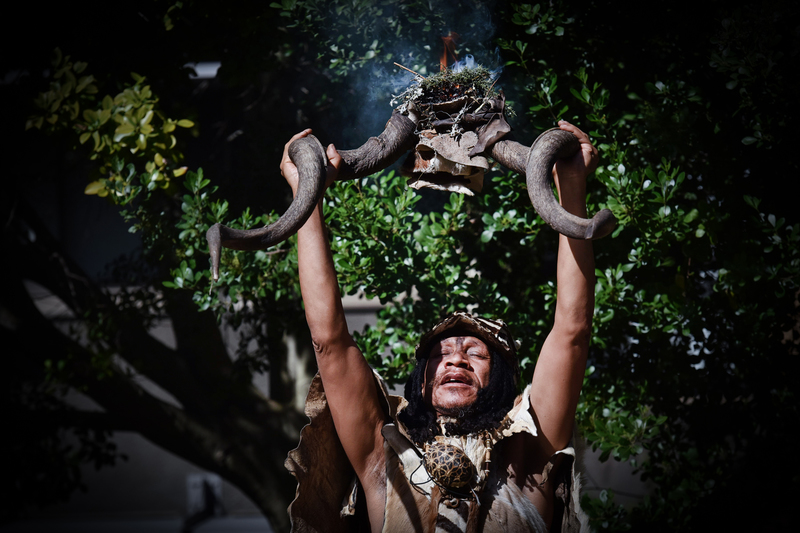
(468,62)
(370,89)
(493,65)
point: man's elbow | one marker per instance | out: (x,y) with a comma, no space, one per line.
(330,345)
(577,333)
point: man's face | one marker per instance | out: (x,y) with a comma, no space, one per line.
(458,367)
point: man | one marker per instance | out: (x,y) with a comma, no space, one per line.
(459,453)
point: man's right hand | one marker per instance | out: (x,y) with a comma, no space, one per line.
(289,170)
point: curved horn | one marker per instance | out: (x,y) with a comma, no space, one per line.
(381,151)
(537,164)
(311,161)
(309,157)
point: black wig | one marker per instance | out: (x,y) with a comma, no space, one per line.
(491,406)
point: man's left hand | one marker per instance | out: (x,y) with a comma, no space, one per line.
(570,173)
(582,163)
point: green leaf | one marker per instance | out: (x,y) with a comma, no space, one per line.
(123,130)
(83,83)
(691,216)
(147,118)
(94,187)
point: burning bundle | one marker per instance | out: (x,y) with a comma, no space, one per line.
(451,123)
(458,115)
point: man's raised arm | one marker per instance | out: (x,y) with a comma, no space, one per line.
(347,378)
(559,372)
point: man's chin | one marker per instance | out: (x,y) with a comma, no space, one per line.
(456,407)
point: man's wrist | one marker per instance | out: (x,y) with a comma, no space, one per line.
(576,207)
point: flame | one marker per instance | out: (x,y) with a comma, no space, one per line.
(449,49)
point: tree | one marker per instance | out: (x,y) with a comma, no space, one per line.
(693,366)
(122,141)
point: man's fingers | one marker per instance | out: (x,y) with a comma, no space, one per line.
(296,136)
(333,156)
(286,161)
(588,153)
(566,126)
(582,137)
(334,162)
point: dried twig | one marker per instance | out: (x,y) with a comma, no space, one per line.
(408,69)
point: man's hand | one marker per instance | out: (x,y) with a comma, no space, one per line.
(570,174)
(585,161)
(289,170)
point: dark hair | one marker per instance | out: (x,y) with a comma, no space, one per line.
(490,407)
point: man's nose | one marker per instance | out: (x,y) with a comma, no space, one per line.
(457,358)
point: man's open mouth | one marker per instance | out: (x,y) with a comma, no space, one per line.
(455,379)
